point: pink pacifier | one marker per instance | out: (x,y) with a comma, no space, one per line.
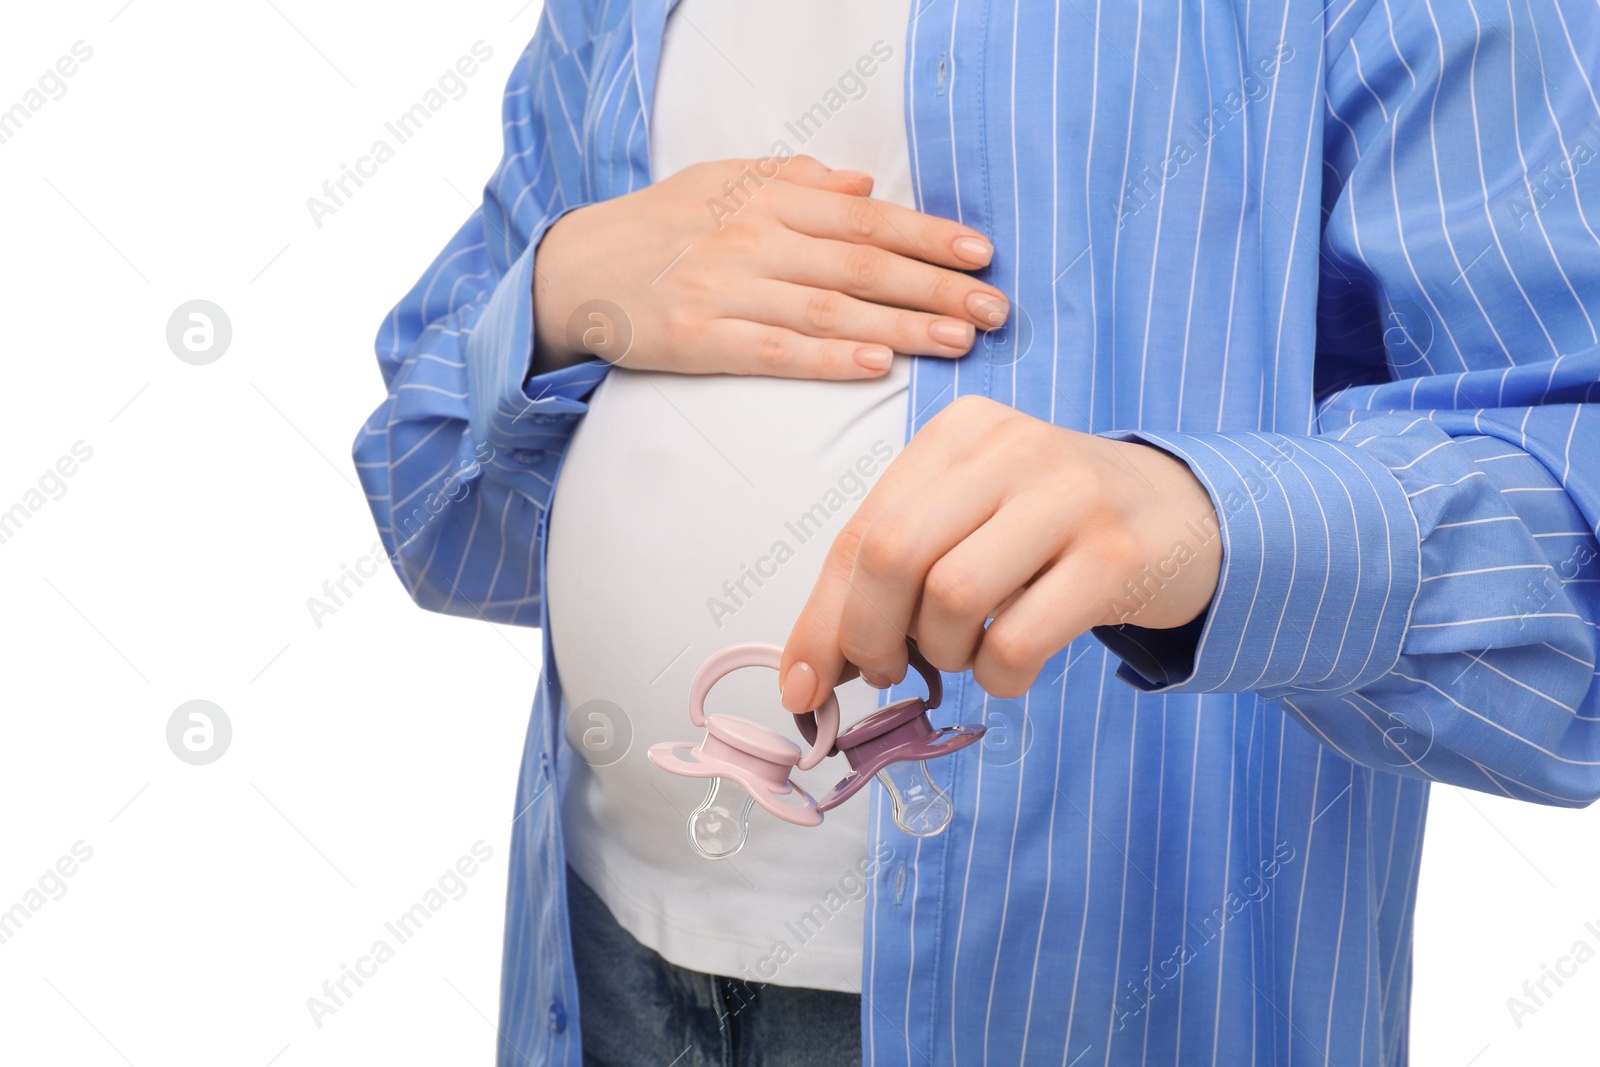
(894,743)
(743,758)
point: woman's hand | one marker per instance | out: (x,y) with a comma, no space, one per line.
(776,267)
(989,513)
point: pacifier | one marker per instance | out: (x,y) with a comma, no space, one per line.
(894,743)
(747,763)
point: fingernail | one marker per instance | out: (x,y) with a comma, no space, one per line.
(988,308)
(952,333)
(799,686)
(973,249)
(874,358)
(877,681)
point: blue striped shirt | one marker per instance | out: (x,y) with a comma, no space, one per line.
(1342,258)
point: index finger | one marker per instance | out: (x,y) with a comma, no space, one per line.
(863,220)
(813,645)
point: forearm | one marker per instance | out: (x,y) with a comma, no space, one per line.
(459,460)
(1419,587)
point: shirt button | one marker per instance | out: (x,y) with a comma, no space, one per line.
(558,1017)
(527,455)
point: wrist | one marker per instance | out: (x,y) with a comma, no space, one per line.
(557,306)
(549,327)
(1321,564)
(1178,562)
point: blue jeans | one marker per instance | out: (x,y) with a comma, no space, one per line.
(638,1009)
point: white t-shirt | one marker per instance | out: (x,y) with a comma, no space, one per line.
(694,512)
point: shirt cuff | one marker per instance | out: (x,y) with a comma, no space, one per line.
(1321,563)
(518,423)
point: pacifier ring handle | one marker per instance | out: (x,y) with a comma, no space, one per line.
(759,654)
(930,674)
(930,678)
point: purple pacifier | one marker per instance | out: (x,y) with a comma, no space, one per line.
(739,753)
(895,742)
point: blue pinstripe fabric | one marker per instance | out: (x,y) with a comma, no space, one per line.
(1342,259)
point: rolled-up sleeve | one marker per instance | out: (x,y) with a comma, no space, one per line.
(1417,580)
(459,461)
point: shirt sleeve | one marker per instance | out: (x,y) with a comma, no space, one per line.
(459,461)
(1417,580)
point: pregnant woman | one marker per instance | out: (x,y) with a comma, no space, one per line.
(765,297)
(755,305)
(1197,383)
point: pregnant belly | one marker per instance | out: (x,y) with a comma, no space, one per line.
(694,512)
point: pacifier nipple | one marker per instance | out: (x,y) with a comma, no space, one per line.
(921,808)
(718,827)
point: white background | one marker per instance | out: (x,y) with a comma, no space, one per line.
(369,753)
